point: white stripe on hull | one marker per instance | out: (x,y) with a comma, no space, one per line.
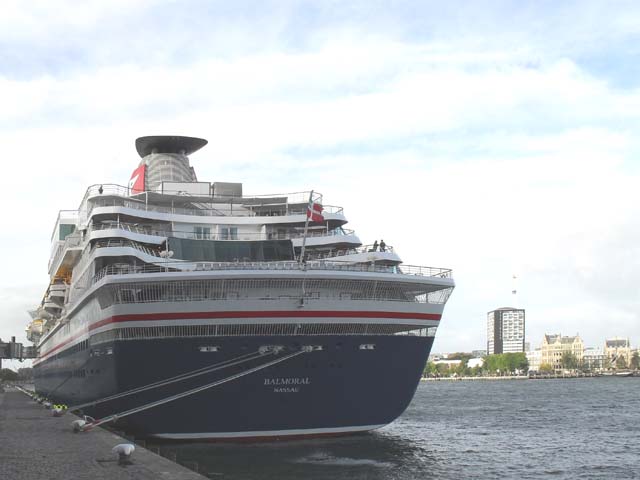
(267,433)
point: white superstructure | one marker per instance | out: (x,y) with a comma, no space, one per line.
(171,274)
(157,224)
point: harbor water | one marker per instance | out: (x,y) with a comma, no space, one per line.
(562,428)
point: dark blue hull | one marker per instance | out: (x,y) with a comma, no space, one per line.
(341,388)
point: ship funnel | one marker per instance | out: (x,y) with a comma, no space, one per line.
(164,159)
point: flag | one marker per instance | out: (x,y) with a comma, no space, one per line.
(136,183)
(314,212)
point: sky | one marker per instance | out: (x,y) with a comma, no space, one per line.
(496,138)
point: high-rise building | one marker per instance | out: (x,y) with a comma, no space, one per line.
(505,330)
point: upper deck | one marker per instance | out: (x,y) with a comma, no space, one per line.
(178,202)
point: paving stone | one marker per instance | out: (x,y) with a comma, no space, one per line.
(34,445)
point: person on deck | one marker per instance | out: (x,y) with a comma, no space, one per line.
(383,246)
(375,246)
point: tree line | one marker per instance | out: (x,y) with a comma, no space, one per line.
(511,363)
(501,363)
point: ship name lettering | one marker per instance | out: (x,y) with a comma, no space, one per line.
(287,381)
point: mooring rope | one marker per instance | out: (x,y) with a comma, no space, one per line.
(178,396)
(178,378)
(68,378)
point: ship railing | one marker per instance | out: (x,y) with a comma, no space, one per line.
(56,255)
(113,242)
(237,206)
(111,189)
(134,228)
(205,210)
(72,240)
(341,252)
(141,205)
(127,227)
(87,255)
(190,266)
(333,209)
(338,232)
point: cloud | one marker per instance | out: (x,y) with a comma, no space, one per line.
(490,151)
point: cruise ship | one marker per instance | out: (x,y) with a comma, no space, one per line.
(184,309)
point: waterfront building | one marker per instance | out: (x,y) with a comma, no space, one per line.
(553,346)
(448,363)
(614,348)
(594,359)
(505,330)
(534,357)
(475,362)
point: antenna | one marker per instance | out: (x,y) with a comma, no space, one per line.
(514,290)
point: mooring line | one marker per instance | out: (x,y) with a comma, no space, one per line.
(178,396)
(178,378)
(68,378)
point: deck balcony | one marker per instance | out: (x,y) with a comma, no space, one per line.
(146,234)
(179,203)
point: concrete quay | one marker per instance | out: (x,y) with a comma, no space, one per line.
(35,445)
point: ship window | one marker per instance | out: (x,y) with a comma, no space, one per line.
(228,233)
(66,230)
(202,233)
(225,251)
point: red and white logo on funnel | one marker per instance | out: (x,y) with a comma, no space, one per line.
(136,184)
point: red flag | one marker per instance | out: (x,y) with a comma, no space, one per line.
(314,212)
(136,183)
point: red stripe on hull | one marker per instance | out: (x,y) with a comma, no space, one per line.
(137,317)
